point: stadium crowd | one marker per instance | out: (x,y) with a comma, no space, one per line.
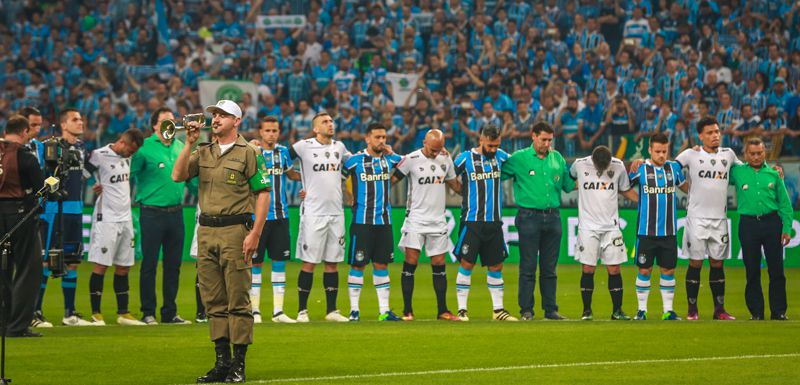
(609,72)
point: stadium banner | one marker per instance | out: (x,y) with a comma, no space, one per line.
(281,21)
(212,91)
(403,85)
(569,220)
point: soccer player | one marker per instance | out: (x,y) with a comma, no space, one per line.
(321,233)
(481,230)
(371,238)
(428,170)
(600,180)
(275,239)
(658,180)
(706,230)
(111,240)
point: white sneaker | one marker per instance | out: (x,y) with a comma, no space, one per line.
(256,317)
(302,317)
(97,320)
(149,320)
(282,318)
(335,316)
(128,319)
(75,320)
(39,321)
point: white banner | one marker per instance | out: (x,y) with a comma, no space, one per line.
(212,91)
(423,19)
(402,86)
(281,21)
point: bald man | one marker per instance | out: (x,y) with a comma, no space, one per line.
(428,170)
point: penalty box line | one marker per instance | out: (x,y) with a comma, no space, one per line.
(524,367)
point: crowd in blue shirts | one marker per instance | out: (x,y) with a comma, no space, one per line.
(601,72)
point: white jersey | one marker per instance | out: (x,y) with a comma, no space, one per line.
(426,190)
(321,170)
(598,207)
(113,172)
(708,175)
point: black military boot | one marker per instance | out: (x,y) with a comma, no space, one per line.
(220,370)
(236,372)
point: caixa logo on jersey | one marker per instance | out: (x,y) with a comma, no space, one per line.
(321,167)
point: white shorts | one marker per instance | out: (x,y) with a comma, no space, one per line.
(706,237)
(434,243)
(607,246)
(111,243)
(321,239)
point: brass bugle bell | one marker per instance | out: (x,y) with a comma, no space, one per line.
(169,127)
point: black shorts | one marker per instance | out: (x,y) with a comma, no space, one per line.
(484,238)
(661,250)
(72,232)
(373,243)
(275,241)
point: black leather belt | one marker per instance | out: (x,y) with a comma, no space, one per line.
(226,220)
(554,210)
(762,217)
(165,209)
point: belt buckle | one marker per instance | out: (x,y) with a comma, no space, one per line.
(758,217)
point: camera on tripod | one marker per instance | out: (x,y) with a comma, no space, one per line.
(58,259)
(60,156)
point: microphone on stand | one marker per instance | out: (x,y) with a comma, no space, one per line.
(50,186)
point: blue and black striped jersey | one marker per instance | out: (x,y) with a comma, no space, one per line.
(482,195)
(277,162)
(371,179)
(657,197)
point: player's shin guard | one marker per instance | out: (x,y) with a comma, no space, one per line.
(587,289)
(278,285)
(304,282)
(440,287)
(407,284)
(380,278)
(330,280)
(355,282)
(692,287)
(667,284)
(494,279)
(95,291)
(122,292)
(716,281)
(69,283)
(255,289)
(463,282)
(42,288)
(642,290)
(615,289)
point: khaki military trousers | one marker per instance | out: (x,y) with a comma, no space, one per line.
(224,278)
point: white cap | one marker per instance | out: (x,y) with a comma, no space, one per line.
(226,107)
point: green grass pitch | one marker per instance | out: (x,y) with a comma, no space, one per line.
(426,351)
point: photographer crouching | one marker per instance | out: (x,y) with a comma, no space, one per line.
(20,178)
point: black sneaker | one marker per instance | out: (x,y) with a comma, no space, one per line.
(201,318)
(177,320)
(553,315)
(25,333)
(779,317)
(526,316)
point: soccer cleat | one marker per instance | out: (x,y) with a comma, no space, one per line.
(149,320)
(409,316)
(462,315)
(302,316)
(448,316)
(389,316)
(177,320)
(75,320)
(620,315)
(723,315)
(201,318)
(355,316)
(97,320)
(587,316)
(127,319)
(670,316)
(641,315)
(692,316)
(335,316)
(39,321)
(282,318)
(503,315)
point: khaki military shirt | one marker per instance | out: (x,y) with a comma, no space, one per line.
(228,182)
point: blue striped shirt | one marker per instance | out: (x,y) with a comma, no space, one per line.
(277,162)
(371,178)
(657,200)
(482,198)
